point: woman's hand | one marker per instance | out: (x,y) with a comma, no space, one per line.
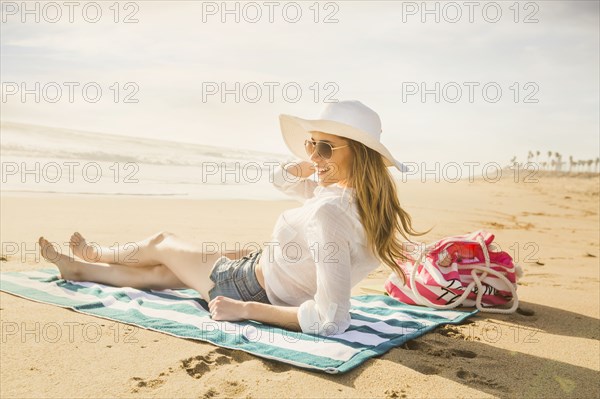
(301,169)
(223,308)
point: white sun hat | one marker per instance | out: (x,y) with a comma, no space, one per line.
(351,119)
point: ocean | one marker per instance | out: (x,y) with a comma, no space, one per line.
(49,160)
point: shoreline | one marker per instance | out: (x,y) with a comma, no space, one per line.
(524,176)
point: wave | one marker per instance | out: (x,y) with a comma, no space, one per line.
(33,141)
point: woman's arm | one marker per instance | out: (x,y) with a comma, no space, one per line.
(330,235)
(280,316)
(292,179)
(223,308)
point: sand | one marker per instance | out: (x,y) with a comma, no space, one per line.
(550,349)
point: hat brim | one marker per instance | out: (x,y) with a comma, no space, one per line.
(296,130)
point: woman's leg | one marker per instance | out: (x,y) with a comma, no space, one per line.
(156,277)
(129,254)
(185,259)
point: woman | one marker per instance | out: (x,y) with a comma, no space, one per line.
(301,280)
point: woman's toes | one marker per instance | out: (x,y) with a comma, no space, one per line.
(69,270)
(82,250)
(47,250)
(77,237)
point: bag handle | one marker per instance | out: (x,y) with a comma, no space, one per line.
(477,281)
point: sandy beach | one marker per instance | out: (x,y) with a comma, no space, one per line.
(550,348)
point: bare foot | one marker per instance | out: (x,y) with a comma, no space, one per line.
(69,269)
(82,250)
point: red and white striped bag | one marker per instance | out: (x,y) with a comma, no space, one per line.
(456,271)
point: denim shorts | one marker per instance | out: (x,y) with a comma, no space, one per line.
(236,279)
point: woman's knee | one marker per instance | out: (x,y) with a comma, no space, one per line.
(160,237)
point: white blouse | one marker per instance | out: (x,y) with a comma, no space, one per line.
(317,253)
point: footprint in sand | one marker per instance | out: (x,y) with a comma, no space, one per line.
(143,383)
(395,393)
(212,392)
(456,333)
(425,369)
(198,365)
(431,350)
(229,388)
(195,366)
(463,353)
(412,345)
(275,366)
(473,378)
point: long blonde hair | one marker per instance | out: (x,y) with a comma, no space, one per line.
(379,207)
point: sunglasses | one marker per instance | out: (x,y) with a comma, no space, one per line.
(324,150)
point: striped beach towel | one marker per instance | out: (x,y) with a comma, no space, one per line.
(379,322)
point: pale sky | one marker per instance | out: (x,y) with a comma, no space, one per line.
(370,55)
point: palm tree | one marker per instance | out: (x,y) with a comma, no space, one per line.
(549,156)
(513,161)
(597,161)
(558,161)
